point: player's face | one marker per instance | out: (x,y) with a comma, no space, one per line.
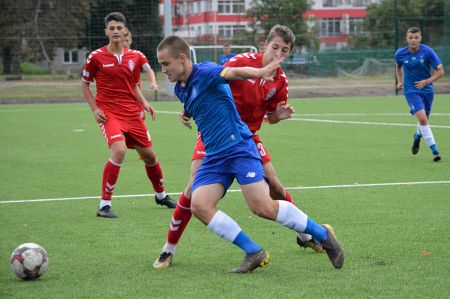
(127,41)
(115,31)
(277,48)
(413,40)
(227,50)
(172,67)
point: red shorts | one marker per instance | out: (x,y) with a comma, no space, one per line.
(200,153)
(131,130)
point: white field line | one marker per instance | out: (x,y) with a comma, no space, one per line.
(233,190)
(364,123)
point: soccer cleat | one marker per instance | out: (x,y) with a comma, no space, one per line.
(415,146)
(163,261)
(166,201)
(333,249)
(252,261)
(317,247)
(106,212)
(436,157)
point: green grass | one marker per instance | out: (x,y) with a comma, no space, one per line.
(395,237)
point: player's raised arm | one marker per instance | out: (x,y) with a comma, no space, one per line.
(242,73)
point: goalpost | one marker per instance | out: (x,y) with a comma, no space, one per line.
(212,52)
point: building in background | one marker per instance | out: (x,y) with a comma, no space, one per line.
(219,21)
(209,21)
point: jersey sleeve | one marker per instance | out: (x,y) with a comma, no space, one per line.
(216,73)
(434,59)
(90,69)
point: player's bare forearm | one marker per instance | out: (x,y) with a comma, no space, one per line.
(138,94)
(88,96)
(399,75)
(243,73)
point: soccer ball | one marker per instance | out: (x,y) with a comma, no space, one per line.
(29,261)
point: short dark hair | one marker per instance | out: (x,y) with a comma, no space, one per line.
(284,32)
(115,16)
(176,45)
(413,30)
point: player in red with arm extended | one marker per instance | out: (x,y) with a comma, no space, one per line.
(254,99)
(117,108)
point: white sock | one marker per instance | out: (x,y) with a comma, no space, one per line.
(160,195)
(291,217)
(105,203)
(427,134)
(223,225)
(169,248)
(304,237)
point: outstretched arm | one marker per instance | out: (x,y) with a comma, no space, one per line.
(242,73)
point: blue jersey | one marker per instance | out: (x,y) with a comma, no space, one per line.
(417,66)
(207,97)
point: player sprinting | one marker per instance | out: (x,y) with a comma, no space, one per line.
(117,108)
(413,65)
(231,153)
(127,42)
(253,98)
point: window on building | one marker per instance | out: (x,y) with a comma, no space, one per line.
(356,26)
(329,27)
(231,6)
(70,57)
(229,31)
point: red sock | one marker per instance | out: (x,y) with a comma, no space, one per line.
(155,175)
(289,198)
(180,219)
(110,175)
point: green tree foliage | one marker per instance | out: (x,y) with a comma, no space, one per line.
(142,20)
(31,29)
(431,16)
(267,13)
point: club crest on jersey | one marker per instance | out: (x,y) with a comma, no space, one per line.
(271,93)
(131,65)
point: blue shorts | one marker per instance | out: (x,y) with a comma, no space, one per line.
(418,101)
(241,161)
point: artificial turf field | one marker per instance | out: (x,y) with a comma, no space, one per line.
(346,161)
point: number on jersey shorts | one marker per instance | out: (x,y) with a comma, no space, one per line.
(131,130)
(200,152)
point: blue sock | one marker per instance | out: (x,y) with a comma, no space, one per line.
(417,136)
(245,243)
(318,232)
(434,149)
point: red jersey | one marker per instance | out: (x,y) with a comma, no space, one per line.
(255,97)
(115,76)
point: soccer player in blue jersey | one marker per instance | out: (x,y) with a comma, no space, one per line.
(413,71)
(231,153)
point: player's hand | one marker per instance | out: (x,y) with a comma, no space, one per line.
(99,116)
(421,84)
(399,85)
(185,119)
(149,109)
(154,87)
(271,70)
(284,110)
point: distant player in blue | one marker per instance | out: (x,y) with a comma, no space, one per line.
(231,153)
(413,67)
(227,55)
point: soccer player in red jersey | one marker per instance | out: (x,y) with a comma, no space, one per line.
(254,98)
(117,108)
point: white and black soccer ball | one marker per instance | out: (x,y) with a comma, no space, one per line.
(29,261)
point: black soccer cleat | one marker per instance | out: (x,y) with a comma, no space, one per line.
(436,157)
(317,247)
(166,201)
(333,249)
(252,261)
(106,212)
(163,261)
(415,146)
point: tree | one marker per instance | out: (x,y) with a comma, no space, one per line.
(33,28)
(142,18)
(267,13)
(429,15)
